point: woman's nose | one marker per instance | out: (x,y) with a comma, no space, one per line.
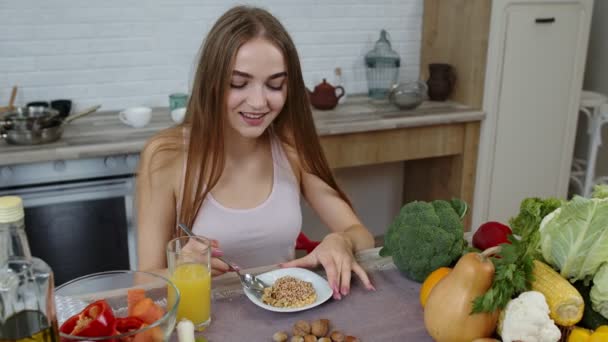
(257,98)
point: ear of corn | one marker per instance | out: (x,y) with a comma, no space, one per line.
(565,302)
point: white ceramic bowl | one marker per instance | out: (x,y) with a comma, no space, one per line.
(320,285)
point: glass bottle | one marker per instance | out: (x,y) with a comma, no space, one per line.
(27,308)
(339,81)
(382,67)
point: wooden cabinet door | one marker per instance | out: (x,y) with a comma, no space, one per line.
(536,112)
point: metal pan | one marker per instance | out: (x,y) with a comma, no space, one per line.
(44,135)
(29,118)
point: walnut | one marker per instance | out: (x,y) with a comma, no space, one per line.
(310,338)
(280,336)
(337,336)
(297,339)
(351,339)
(324,339)
(320,327)
(301,328)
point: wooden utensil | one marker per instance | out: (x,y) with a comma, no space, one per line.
(11,101)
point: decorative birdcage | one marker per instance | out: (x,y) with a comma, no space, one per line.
(382,67)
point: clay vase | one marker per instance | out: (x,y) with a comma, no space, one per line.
(441,81)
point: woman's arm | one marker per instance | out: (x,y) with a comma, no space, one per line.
(336,251)
(156,204)
(335,212)
(159,182)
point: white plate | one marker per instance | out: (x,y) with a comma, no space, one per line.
(321,286)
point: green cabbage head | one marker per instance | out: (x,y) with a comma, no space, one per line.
(599,291)
(574,238)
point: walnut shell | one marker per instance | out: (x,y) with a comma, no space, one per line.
(320,327)
(301,328)
(297,339)
(310,338)
(280,336)
(337,336)
(324,339)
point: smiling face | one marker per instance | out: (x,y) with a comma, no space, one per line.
(258,88)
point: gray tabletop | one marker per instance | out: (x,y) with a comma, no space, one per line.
(391,313)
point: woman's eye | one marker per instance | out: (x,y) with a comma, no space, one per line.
(275,86)
(238,85)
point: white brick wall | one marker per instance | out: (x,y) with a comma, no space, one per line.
(122,53)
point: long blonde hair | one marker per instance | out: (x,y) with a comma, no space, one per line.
(207,106)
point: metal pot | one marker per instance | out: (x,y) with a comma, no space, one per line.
(52,131)
(30,118)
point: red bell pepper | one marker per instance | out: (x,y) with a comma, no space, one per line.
(491,234)
(125,325)
(96,320)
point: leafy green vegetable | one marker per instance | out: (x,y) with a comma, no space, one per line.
(574,238)
(599,291)
(591,319)
(512,275)
(531,213)
(425,236)
(600,191)
(513,270)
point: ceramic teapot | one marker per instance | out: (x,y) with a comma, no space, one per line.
(324,97)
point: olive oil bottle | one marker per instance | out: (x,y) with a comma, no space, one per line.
(28,325)
(27,301)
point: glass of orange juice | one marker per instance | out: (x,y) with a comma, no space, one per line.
(188,260)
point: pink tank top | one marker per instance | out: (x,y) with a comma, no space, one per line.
(265,234)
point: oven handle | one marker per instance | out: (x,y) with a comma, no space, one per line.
(72,192)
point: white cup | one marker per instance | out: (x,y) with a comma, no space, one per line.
(136,117)
(177,115)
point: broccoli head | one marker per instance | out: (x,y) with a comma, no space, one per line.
(425,236)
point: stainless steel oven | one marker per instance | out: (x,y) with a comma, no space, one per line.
(79,214)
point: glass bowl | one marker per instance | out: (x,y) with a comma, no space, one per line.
(72,297)
(408,95)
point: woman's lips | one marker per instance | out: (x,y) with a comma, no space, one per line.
(253,119)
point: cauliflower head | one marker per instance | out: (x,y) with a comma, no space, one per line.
(526,318)
(425,236)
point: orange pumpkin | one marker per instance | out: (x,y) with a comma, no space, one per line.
(430,282)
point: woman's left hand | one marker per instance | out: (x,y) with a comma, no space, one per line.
(335,254)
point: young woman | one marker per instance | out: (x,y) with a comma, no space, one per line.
(235,170)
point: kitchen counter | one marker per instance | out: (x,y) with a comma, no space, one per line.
(103,134)
(437,144)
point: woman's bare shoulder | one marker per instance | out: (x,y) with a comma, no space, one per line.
(163,153)
(293,157)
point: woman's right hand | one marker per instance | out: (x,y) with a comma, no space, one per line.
(218,267)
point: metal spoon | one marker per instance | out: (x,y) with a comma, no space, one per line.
(247,280)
